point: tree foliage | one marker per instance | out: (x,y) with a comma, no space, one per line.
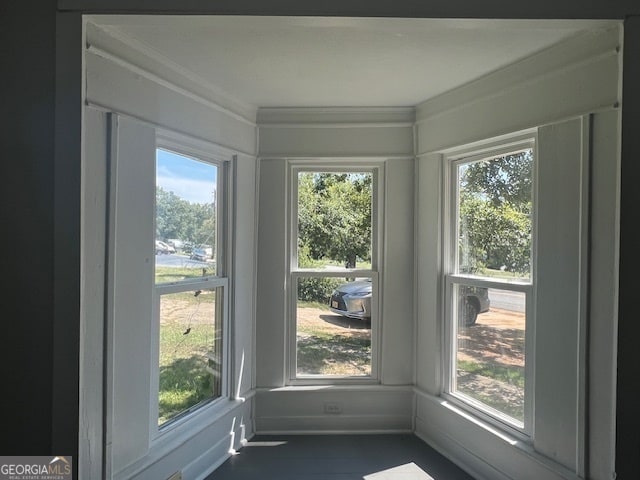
(503,180)
(334,217)
(178,218)
(495,213)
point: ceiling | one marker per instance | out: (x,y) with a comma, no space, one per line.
(337,61)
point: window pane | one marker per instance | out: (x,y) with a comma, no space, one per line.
(333,326)
(494,216)
(190,351)
(334,220)
(186,217)
(490,344)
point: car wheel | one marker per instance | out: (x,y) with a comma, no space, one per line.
(470,311)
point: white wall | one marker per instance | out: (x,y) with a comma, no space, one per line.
(94,233)
(569,94)
(582,76)
(117,81)
(129,104)
(575,77)
(339,135)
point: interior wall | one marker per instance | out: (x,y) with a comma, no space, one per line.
(340,135)
(148,96)
(574,143)
(127,109)
(628,373)
(568,79)
(28,91)
(27,95)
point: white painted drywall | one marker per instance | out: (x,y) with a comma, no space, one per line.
(131,277)
(144,105)
(384,136)
(93,294)
(363,409)
(244,277)
(567,80)
(429,331)
(603,314)
(552,94)
(116,81)
(561,213)
(484,109)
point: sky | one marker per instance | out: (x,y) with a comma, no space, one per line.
(190,179)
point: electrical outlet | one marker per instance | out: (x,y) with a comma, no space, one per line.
(176,476)
(332,408)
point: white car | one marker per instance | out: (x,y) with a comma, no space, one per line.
(164,248)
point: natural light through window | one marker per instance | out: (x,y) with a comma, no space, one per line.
(333,278)
(491,282)
(190,351)
(407,471)
(189,289)
(186,215)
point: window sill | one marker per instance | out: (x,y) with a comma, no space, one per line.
(523,447)
(334,387)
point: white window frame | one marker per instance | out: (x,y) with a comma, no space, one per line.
(223,160)
(450,277)
(376,168)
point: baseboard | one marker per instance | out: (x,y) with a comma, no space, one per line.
(335,423)
(466,460)
(226,447)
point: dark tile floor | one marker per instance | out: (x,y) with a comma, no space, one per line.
(338,457)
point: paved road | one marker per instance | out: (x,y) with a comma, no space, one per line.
(178,260)
(513,301)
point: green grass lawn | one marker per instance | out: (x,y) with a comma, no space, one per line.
(321,306)
(492,273)
(512,375)
(175,274)
(185,378)
(334,355)
(189,371)
(330,348)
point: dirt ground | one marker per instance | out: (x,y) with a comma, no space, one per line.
(497,336)
(497,339)
(498,318)
(314,318)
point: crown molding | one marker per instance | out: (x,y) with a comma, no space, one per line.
(135,55)
(579,50)
(341,117)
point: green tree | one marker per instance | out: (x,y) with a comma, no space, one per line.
(495,213)
(494,236)
(178,218)
(506,179)
(334,217)
(172,215)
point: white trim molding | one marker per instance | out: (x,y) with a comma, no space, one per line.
(570,79)
(112,42)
